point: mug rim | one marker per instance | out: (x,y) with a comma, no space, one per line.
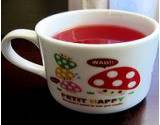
(82,45)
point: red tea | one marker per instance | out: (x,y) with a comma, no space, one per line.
(99,34)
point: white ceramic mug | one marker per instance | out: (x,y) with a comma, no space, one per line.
(91,78)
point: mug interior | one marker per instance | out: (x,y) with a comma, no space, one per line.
(54,24)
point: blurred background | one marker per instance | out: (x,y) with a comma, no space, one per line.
(26,13)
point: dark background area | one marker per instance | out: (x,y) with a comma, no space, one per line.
(26,99)
(26,13)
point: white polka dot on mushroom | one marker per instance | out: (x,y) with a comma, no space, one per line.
(73,85)
(64,61)
(77,90)
(72,64)
(63,86)
(132,84)
(59,62)
(69,87)
(66,66)
(65,83)
(130,75)
(117,83)
(112,74)
(57,56)
(98,82)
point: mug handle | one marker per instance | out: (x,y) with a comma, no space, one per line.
(17,60)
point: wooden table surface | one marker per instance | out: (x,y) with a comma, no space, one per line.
(27,100)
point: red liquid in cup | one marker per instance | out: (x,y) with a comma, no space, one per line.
(99,34)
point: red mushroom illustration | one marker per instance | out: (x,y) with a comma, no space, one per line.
(119,78)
